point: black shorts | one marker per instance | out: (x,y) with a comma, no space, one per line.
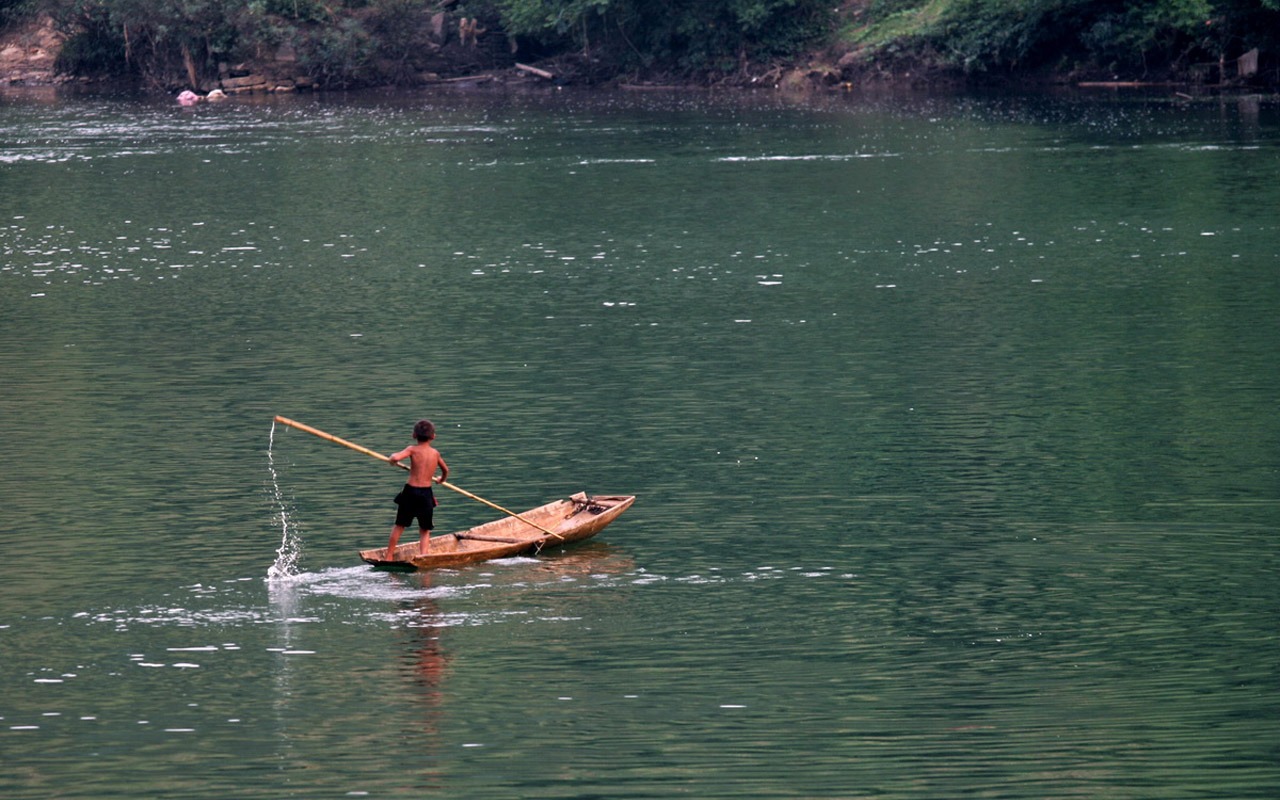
(415,501)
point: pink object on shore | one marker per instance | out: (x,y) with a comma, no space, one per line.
(188,98)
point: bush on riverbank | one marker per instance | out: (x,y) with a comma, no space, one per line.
(1143,40)
(691,37)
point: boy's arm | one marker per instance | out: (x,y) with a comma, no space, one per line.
(395,459)
(444,469)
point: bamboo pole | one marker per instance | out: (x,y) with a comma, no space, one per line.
(329,437)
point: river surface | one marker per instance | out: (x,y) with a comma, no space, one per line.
(953,423)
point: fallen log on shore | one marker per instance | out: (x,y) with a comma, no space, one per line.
(541,73)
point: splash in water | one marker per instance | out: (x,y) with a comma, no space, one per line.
(290,550)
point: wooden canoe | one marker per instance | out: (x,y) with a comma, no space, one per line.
(574,519)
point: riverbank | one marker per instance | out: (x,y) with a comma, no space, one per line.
(29,57)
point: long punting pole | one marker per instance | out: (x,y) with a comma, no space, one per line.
(331,438)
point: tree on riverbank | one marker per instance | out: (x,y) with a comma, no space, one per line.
(195,43)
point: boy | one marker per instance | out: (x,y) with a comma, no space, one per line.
(417,499)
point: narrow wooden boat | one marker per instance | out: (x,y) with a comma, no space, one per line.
(571,520)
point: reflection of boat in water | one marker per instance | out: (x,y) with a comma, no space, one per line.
(594,558)
(558,522)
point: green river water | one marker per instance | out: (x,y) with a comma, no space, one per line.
(953,423)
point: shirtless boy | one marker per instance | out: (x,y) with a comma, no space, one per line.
(417,499)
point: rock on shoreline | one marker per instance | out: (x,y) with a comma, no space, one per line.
(28,55)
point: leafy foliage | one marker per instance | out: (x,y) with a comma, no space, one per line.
(13,10)
(693,36)
(1006,35)
(183,41)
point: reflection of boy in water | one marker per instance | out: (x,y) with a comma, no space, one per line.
(432,660)
(417,499)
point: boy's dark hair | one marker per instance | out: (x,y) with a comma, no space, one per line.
(424,431)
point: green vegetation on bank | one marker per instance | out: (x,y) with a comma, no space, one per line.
(1134,40)
(172,43)
(12,11)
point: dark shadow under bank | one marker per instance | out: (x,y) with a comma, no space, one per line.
(489,86)
(902,92)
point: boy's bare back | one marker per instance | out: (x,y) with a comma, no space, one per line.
(424,460)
